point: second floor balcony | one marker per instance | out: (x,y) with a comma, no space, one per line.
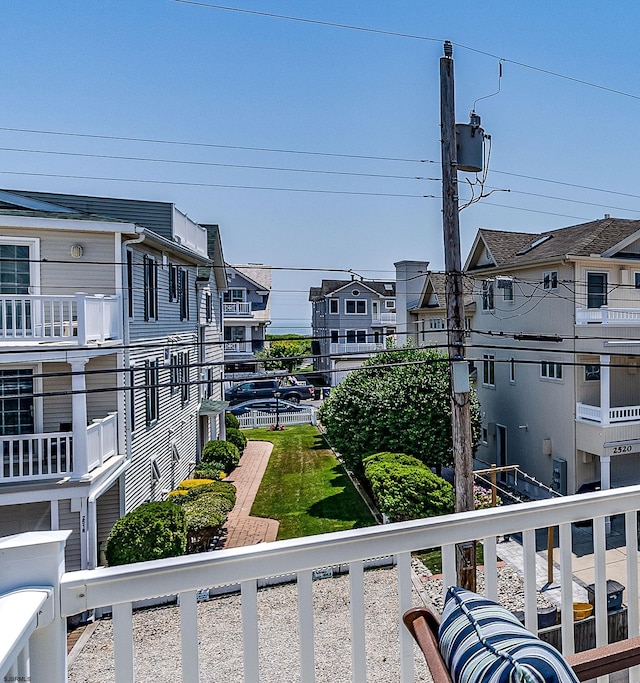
(364,347)
(36,597)
(383,319)
(237,308)
(50,455)
(80,318)
(608,316)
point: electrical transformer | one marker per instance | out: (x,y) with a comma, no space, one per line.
(469,145)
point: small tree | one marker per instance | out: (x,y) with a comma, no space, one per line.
(150,532)
(231,421)
(285,351)
(399,401)
(237,438)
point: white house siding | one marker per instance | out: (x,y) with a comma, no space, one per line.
(175,424)
(71,521)
(107,513)
(16,519)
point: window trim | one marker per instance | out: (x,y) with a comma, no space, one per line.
(512,371)
(550,279)
(152,391)
(150,266)
(333,301)
(550,370)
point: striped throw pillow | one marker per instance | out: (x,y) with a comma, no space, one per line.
(482,642)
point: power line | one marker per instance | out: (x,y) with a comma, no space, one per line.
(413,36)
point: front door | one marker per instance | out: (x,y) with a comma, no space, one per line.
(16,402)
(15,279)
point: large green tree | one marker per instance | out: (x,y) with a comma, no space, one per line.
(399,401)
(285,351)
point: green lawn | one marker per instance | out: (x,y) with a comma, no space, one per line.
(305,487)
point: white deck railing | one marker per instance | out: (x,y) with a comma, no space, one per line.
(616,415)
(355,348)
(237,308)
(384,319)
(35,457)
(255,418)
(244,568)
(608,316)
(79,318)
(102,440)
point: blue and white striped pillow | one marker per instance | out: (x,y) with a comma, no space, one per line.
(482,642)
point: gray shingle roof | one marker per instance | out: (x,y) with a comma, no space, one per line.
(596,237)
(330,286)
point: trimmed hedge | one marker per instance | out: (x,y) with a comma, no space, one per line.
(150,532)
(210,470)
(187,484)
(224,489)
(205,514)
(222,453)
(405,488)
(237,438)
(231,421)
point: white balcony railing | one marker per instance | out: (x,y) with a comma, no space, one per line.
(244,568)
(36,457)
(384,319)
(237,308)
(32,457)
(355,348)
(608,316)
(237,347)
(80,318)
(616,415)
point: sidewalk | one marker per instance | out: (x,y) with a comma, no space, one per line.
(240,528)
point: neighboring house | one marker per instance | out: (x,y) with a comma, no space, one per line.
(426,316)
(110,379)
(556,333)
(247,314)
(350,320)
(410,281)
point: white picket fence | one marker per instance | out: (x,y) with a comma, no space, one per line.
(256,418)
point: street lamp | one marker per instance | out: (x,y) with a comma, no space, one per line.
(277,394)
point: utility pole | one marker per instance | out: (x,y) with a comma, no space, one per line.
(460,409)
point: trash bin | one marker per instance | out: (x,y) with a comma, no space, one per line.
(325,392)
(614,594)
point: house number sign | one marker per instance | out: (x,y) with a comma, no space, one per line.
(621,448)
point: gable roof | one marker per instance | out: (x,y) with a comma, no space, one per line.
(435,284)
(601,237)
(329,287)
(256,274)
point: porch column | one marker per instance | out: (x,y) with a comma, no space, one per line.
(79,418)
(605,472)
(605,389)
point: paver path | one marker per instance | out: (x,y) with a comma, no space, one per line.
(241,529)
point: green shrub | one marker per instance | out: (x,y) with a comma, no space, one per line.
(237,438)
(210,470)
(224,489)
(231,421)
(187,484)
(150,532)
(221,452)
(205,514)
(405,488)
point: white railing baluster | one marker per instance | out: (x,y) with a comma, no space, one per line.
(490,568)
(566,588)
(529,558)
(358,651)
(600,567)
(404,602)
(305,627)
(189,636)
(449,577)
(249,593)
(633,621)
(123,643)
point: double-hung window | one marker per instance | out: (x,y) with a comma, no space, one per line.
(550,280)
(487,295)
(488,370)
(355,306)
(333,306)
(183,293)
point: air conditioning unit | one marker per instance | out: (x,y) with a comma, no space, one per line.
(504,282)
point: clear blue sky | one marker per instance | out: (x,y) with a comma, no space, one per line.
(172,71)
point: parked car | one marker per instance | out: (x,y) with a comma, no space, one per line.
(268,405)
(266,388)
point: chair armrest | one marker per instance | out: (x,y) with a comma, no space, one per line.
(605,659)
(423,626)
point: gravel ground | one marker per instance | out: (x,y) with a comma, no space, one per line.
(157,637)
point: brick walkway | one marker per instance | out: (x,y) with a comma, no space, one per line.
(241,529)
